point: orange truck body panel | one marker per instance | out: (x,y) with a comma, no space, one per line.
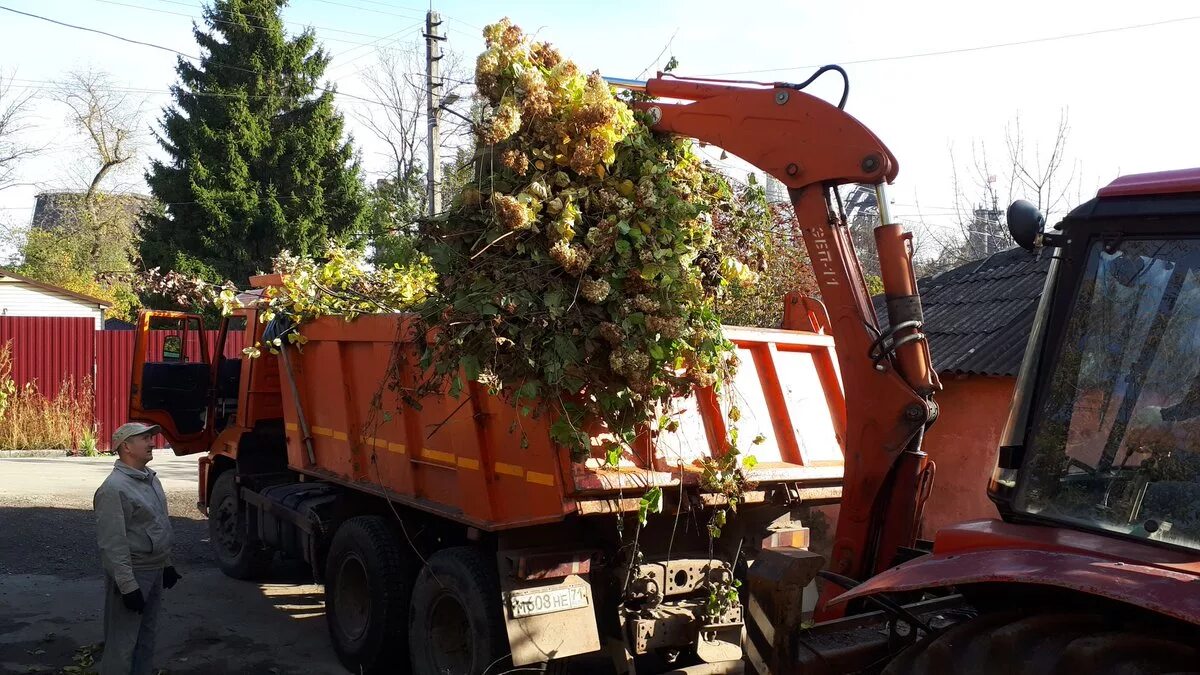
(463,458)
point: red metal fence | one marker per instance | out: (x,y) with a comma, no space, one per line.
(48,351)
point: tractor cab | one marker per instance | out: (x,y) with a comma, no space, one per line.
(1104,433)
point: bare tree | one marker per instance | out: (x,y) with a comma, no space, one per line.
(981,193)
(107,117)
(14,123)
(109,120)
(397,79)
(1039,175)
(401,125)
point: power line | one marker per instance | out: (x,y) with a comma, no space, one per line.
(189,56)
(97,31)
(222,21)
(261,18)
(961,50)
(393,6)
(391,39)
(368,9)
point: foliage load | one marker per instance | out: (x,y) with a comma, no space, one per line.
(256,158)
(579,269)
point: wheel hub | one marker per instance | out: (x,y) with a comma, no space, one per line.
(227,531)
(353,598)
(450,635)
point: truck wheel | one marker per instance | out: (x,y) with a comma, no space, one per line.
(1019,643)
(368,582)
(238,555)
(456,623)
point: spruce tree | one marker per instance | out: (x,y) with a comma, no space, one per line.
(257,161)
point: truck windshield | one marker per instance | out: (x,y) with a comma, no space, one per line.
(1116,439)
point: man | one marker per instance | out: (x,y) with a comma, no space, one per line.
(134,534)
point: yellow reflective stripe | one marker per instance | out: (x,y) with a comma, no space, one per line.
(396,447)
(539,478)
(291,426)
(322,431)
(468,463)
(510,469)
(437,455)
(340,436)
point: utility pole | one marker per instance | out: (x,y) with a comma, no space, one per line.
(433,96)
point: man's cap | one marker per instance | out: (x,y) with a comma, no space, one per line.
(129,430)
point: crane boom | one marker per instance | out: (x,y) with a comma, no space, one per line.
(812,147)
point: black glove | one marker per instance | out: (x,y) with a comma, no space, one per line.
(134,601)
(170,576)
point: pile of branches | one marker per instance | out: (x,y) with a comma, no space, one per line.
(579,270)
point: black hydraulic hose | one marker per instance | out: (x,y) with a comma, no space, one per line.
(821,71)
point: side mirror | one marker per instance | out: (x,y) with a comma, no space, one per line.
(1025,224)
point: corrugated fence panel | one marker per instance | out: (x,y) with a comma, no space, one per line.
(49,350)
(115,372)
(114,364)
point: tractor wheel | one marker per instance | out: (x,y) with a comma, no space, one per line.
(368,583)
(456,624)
(1020,643)
(238,554)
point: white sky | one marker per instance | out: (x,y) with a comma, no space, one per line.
(1130,105)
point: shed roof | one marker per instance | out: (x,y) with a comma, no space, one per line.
(978,316)
(55,289)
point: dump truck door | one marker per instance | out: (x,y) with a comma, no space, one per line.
(171,382)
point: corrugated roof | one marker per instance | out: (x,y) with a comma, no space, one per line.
(978,316)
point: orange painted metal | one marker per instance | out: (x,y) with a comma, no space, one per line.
(195,348)
(475,459)
(812,146)
(899,282)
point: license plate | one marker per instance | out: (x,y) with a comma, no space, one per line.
(546,601)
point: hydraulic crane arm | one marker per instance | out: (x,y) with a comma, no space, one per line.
(812,147)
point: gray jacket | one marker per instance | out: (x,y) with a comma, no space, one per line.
(132,525)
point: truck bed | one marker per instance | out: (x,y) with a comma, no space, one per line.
(463,458)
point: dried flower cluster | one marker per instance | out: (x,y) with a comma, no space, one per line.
(579,269)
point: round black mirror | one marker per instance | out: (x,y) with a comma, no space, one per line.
(1025,224)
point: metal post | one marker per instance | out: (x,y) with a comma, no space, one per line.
(433,84)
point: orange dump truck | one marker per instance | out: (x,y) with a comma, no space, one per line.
(454,534)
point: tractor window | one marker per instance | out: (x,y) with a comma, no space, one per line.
(1116,440)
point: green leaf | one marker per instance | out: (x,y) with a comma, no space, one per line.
(651,502)
(656,351)
(749,462)
(613,456)
(470,365)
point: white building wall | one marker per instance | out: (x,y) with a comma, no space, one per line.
(18,298)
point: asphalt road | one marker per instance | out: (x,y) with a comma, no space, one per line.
(51,583)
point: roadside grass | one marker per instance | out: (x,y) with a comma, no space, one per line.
(30,420)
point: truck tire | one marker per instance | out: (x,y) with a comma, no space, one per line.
(1021,643)
(238,554)
(456,624)
(368,583)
